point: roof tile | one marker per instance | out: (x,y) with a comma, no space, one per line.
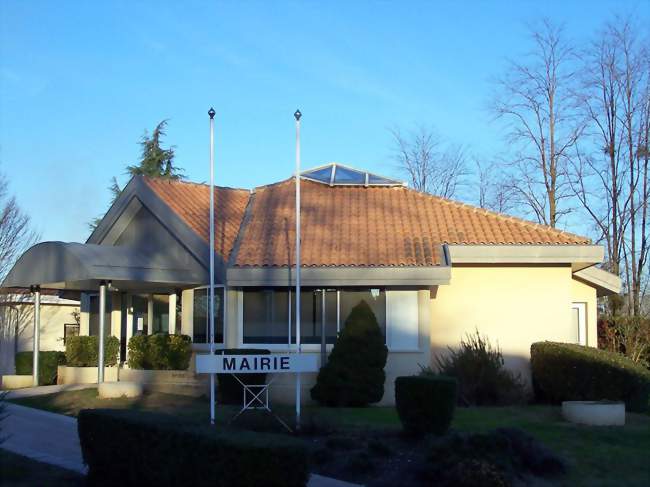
(345,225)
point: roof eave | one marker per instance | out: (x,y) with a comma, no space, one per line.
(579,256)
(605,282)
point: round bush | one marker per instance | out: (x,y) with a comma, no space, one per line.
(82,351)
(425,404)
(568,372)
(160,352)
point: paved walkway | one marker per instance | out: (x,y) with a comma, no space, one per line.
(52,438)
(47,437)
(42,390)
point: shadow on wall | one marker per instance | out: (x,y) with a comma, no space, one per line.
(16,316)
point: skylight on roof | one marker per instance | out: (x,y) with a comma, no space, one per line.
(338,175)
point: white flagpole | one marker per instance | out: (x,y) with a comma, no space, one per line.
(297,115)
(211,113)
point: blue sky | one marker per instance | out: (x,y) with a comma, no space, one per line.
(81,81)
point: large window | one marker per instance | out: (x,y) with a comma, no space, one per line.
(160,313)
(201,323)
(579,322)
(266,313)
(266,316)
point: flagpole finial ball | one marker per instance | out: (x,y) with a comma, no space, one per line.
(297,115)
(211,112)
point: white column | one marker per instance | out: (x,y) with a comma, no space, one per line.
(37,334)
(84,320)
(187,310)
(172,313)
(102,321)
(129,322)
(150,314)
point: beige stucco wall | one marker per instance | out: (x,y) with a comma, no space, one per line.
(20,317)
(513,305)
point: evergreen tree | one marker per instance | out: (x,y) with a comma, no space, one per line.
(354,374)
(155,162)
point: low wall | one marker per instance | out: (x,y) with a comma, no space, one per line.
(84,375)
(16,381)
(184,382)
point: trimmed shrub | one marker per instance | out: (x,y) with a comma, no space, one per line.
(425,404)
(47,365)
(134,448)
(482,378)
(569,372)
(138,354)
(160,352)
(230,391)
(82,351)
(354,374)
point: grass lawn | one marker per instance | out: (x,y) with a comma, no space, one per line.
(595,455)
(19,471)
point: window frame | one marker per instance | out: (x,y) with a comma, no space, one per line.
(583,333)
(315,347)
(205,346)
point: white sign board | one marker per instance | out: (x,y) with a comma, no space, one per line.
(255,364)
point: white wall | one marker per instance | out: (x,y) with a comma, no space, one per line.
(53,317)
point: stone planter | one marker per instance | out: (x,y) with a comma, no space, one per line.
(84,375)
(594,413)
(112,390)
(17,381)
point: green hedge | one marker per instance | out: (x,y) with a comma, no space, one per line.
(47,365)
(160,352)
(425,404)
(565,372)
(132,448)
(229,390)
(81,351)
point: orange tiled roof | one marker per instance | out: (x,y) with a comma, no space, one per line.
(191,202)
(346,225)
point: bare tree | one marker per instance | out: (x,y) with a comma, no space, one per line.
(493,191)
(536,100)
(16,234)
(433,165)
(609,174)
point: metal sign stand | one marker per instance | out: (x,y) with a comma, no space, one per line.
(258,400)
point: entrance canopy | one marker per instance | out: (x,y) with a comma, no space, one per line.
(61,265)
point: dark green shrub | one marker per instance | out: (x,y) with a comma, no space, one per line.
(137,352)
(160,352)
(425,404)
(48,362)
(230,391)
(482,378)
(354,374)
(133,448)
(180,351)
(495,458)
(565,372)
(82,351)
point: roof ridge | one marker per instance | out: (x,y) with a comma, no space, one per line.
(192,183)
(234,251)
